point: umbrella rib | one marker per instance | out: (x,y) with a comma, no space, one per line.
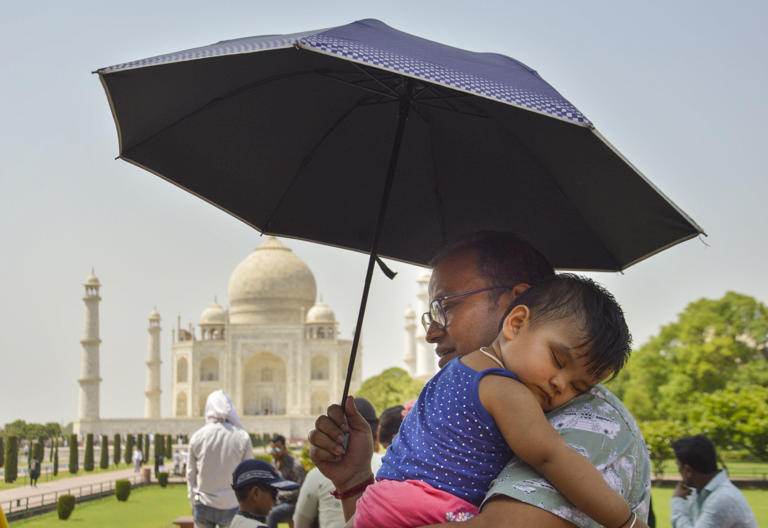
(210,103)
(356,85)
(308,159)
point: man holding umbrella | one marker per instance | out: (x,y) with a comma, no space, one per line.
(483,274)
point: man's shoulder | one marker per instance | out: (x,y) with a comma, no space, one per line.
(598,411)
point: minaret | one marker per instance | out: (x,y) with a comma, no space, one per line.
(409,354)
(425,354)
(152,389)
(88,405)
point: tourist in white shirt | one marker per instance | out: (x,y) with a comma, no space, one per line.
(215,450)
(705,498)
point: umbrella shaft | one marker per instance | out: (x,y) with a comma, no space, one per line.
(403,110)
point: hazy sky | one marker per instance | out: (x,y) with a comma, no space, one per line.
(678,87)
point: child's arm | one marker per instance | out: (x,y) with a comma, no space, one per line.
(528,433)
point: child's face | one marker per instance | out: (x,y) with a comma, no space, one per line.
(546,358)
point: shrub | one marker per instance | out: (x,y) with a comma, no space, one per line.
(116,450)
(12,458)
(104,458)
(56,457)
(140,443)
(2,451)
(169,446)
(162,478)
(159,445)
(122,489)
(265,458)
(88,456)
(73,462)
(128,448)
(64,506)
(305,460)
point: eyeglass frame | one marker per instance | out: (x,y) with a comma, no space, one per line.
(436,305)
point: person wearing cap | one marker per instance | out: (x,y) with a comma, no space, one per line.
(256,484)
(289,468)
(214,451)
(316,504)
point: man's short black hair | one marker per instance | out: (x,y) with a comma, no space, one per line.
(278,439)
(697,452)
(389,423)
(504,259)
(599,317)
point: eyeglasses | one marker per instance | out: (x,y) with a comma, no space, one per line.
(436,314)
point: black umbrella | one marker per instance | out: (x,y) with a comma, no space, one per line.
(367,138)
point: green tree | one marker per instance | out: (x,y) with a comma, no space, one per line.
(116,449)
(88,455)
(73,458)
(735,419)
(39,449)
(140,443)
(2,451)
(12,458)
(159,445)
(128,448)
(659,435)
(52,429)
(17,428)
(104,455)
(145,453)
(392,387)
(713,345)
(168,446)
(56,456)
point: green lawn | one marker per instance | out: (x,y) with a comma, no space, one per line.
(758,500)
(151,507)
(63,473)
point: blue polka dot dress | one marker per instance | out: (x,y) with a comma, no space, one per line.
(448,439)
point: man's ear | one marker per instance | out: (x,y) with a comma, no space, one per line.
(518,317)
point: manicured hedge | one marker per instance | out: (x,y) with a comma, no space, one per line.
(159,445)
(168,446)
(122,489)
(12,458)
(104,458)
(64,506)
(56,457)
(128,448)
(116,450)
(88,456)
(162,479)
(2,451)
(73,462)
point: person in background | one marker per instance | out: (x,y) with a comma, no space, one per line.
(315,505)
(137,459)
(289,468)
(389,424)
(256,484)
(705,498)
(215,450)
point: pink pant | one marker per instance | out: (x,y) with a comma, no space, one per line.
(410,503)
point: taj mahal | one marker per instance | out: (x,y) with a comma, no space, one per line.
(276,351)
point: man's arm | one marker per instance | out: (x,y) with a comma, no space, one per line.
(307,504)
(191,476)
(503,512)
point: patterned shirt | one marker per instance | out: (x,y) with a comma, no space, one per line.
(598,426)
(448,439)
(720,505)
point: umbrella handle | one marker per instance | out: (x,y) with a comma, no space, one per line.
(403,109)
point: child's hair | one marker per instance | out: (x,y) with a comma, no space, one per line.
(600,318)
(242,492)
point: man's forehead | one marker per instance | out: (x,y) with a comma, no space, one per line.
(456,270)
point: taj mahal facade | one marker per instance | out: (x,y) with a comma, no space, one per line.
(276,351)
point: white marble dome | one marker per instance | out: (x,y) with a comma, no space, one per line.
(92,280)
(215,314)
(271,286)
(154,315)
(320,313)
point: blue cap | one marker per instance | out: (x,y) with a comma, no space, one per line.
(260,472)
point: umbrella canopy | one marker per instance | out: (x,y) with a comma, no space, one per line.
(367,138)
(293,134)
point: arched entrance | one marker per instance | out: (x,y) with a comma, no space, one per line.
(264,384)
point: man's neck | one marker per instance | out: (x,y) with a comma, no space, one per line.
(703,479)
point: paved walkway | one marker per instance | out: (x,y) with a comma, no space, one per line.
(25,497)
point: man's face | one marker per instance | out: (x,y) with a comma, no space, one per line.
(473,320)
(277,449)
